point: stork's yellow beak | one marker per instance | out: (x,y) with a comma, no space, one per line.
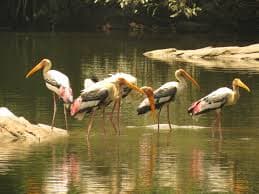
(152,105)
(130,85)
(150,95)
(134,87)
(35,69)
(242,85)
(190,78)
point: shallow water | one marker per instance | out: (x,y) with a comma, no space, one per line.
(187,160)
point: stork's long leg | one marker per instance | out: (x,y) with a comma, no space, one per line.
(158,119)
(111,116)
(168,117)
(90,123)
(213,127)
(118,115)
(54,111)
(104,129)
(214,124)
(65,114)
(219,124)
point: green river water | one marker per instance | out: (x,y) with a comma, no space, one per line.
(188,160)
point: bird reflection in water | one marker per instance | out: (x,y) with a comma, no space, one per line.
(64,174)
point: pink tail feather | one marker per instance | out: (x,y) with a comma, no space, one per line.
(66,94)
(195,108)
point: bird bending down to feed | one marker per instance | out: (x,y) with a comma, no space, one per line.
(124,92)
(88,86)
(167,93)
(216,100)
(56,82)
(99,96)
(80,107)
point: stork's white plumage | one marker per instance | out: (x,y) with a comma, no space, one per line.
(126,76)
(88,83)
(166,94)
(57,77)
(100,95)
(95,95)
(125,90)
(91,85)
(79,108)
(57,82)
(216,100)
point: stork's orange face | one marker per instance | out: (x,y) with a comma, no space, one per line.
(66,94)
(150,95)
(40,65)
(238,82)
(123,81)
(74,108)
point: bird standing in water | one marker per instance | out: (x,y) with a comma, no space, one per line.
(216,100)
(167,93)
(124,92)
(100,95)
(56,82)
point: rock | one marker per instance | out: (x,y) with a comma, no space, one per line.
(13,129)
(5,112)
(223,57)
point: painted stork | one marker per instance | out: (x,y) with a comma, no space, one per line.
(216,100)
(124,92)
(56,82)
(80,111)
(91,81)
(166,94)
(99,96)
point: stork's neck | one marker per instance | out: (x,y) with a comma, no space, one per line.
(117,90)
(236,92)
(182,81)
(46,68)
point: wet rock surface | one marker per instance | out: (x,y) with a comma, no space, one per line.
(13,129)
(242,57)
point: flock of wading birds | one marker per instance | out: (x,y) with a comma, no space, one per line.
(99,94)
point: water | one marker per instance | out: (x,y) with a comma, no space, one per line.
(139,161)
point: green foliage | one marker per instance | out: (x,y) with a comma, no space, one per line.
(152,7)
(52,12)
(178,7)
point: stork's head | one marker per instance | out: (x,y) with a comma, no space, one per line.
(182,73)
(66,94)
(74,108)
(44,63)
(121,81)
(149,92)
(238,83)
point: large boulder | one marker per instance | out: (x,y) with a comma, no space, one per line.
(13,129)
(221,57)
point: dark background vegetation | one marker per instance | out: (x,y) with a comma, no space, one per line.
(153,15)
